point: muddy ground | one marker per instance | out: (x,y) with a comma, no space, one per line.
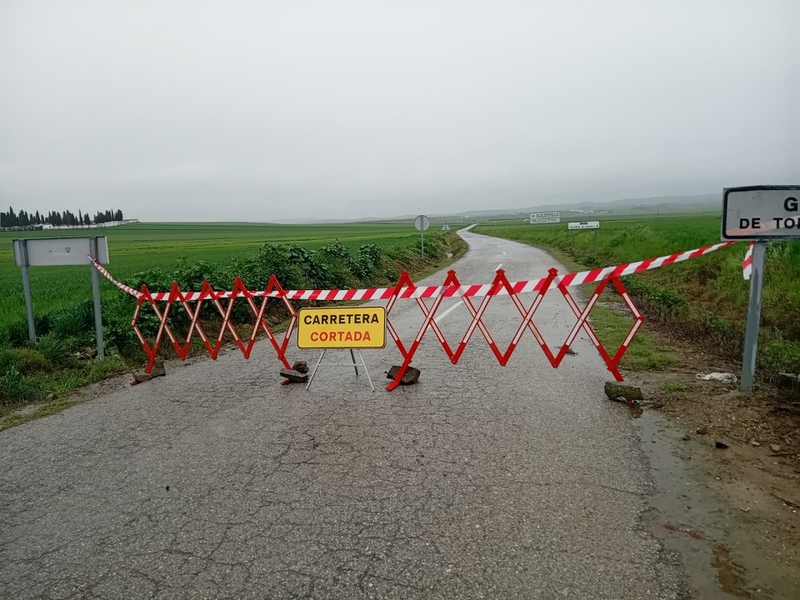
(733,505)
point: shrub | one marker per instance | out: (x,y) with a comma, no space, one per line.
(117,331)
(337,262)
(434,242)
(154,279)
(366,261)
(339,275)
(316,273)
(191,275)
(272,259)
(334,251)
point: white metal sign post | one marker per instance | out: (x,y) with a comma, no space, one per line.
(578,225)
(21,257)
(759,214)
(47,252)
(421,222)
(98,316)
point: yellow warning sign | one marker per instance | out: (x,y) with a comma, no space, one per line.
(342,327)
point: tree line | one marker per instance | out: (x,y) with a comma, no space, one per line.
(55,218)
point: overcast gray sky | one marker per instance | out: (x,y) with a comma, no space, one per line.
(196,110)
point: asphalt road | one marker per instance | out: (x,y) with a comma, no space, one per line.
(216,482)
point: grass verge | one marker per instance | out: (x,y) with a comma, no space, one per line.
(613,324)
(43,410)
(644,353)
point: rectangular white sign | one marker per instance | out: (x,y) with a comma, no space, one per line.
(761,212)
(545,217)
(49,252)
(585,225)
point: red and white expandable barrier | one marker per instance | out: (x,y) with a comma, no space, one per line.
(406,289)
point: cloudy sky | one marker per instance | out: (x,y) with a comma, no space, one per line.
(228,110)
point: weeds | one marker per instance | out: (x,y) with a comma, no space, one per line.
(16,388)
(643,354)
(53,347)
(49,408)
(674,386)
(103,369)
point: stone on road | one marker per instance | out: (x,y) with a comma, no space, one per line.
(615,390)
(218,482)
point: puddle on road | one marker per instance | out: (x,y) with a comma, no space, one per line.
(728,579)
(686,516)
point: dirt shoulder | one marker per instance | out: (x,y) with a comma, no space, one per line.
(727,469)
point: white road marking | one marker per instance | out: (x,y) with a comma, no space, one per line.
(457,304)
(504,253)
(448,311)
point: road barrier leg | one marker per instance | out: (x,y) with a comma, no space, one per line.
(583,324)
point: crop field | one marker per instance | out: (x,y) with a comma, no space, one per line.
(704,298)
(138,247)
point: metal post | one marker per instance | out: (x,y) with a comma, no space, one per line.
(595,241)
(366,370)
(26,288)
(422,242)
(98,317)
(353,358)
(753,317)
(572,240)
(316,367)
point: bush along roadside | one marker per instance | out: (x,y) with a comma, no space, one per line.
(64,357)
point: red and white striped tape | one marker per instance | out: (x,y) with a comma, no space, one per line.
(108,276)
(747,265)
(469,291)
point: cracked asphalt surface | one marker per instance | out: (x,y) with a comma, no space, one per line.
(217,482)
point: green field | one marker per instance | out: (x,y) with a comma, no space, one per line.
(704,299)
(138,247)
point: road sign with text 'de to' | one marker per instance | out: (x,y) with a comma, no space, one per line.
(761,212)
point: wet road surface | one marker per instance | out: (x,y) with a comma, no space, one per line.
(217,482)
